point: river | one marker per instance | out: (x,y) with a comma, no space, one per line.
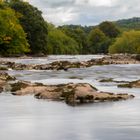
(26,118)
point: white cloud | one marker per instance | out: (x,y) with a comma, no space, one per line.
(61,15)
(86,12)
(95,2)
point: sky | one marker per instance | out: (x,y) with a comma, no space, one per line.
(86,12)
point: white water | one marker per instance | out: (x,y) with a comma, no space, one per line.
(26,118)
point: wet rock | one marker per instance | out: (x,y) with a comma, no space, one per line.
(107,80)
(65,65)
(18,86)
(136,57)
(134,84)
(72,94)
(3,68)
(4,78)
(2,83)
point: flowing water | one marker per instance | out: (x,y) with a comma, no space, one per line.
(26,118)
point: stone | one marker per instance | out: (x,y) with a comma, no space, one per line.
(134,84)
(72,94)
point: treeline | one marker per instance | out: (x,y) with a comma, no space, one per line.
(24,31)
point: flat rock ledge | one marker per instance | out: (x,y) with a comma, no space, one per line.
(72,94)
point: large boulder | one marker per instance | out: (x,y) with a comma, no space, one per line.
(71,93)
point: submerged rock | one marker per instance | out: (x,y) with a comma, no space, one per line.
(134,84)
(106,80)
(72,94)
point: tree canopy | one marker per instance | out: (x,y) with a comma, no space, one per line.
(128,42)
(109,29)
(12,36)
(33,24)
(60,43)
(78,34)
(98,42)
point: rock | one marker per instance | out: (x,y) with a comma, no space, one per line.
(4,78)
(3,68)
(111,80)
(136,57)
(65,65)
(72,94)
(134,84)
(107,80)
(18,86)
(2,83)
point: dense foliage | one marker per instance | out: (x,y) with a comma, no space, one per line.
(60,43)
(127,24)
(77,33)
(98,42)
(12,36)
(109,29)
(33,24)
(128,42)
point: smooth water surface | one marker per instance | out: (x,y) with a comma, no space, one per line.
(26,118)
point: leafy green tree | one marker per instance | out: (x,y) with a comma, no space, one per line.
(60,43)
(129,24)
(109,29)
(98,42)
(12,36)
(78,34)
(33,24)
(128,42)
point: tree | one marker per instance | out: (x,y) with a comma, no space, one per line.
(98,42)
(33,24)
(60,43)
(12,36)
(109,29)
(77,33)
(128,42)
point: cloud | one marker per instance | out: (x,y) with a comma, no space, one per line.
(86,12)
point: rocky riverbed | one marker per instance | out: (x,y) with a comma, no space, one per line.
(33,115)
(71,93)
(65,65)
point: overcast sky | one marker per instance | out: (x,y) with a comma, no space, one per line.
(86,12)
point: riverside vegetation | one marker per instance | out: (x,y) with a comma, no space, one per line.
(24,31)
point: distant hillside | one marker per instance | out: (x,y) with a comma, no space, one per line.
(132,23)
(86,29)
